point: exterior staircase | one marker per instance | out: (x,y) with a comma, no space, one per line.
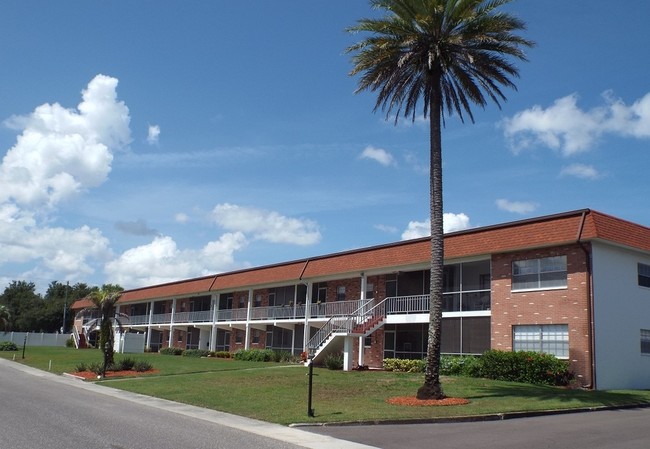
(360,323)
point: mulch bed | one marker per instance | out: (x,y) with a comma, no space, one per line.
(412,401)
(89,375)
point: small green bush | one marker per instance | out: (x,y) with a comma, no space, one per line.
(97,368)
(171,351)
(196,353)
(125,364)
(81,367)
(404,365)
(453,365)
(69,343)
(254,355)
(141,366)
(8,346)
(223,354)
(334,361)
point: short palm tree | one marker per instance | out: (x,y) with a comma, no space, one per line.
(448,54)
(105,301)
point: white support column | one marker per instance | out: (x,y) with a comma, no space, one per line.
(149,324)
(364,285)
(305,334)
(171,324)
(213,334)
(348,352)
(249,313)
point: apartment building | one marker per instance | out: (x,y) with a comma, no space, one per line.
(575,284)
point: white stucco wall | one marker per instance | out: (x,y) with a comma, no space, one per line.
(621,310)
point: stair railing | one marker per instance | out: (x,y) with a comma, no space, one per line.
(346,324)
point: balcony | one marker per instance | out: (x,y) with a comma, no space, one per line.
(399,305)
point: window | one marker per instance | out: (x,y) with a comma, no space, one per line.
(532,274)
(645,341)
(367,341)
(548,338)
(644,275)
(258,300)
(370,290)
(340,293)
(242,302)
(256,336)
(466,286)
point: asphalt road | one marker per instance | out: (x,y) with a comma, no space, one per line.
(42,410)
(611,429)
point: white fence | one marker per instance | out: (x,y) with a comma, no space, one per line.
(34,338)
(127,343)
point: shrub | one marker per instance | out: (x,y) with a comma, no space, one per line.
(8,346)
(171,351)
(125,364)
(334,361)
(69,343)
(141,366)
(525,366)
(452,365)
(81,367)
(254,355)
(196,353)
(223,354)
(96,368)
(404,365)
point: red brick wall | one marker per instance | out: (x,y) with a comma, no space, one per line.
(565,306)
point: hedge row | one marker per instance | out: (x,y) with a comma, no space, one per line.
(195,353)
(520,366)
(265,355)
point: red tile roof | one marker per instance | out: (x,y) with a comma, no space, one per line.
(551,230)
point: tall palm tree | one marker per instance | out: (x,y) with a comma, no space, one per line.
(105,301)
(449,54)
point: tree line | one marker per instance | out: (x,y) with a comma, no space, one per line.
(22,309)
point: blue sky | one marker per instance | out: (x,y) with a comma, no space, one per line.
(145,142)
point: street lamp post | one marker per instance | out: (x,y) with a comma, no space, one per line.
(310,411)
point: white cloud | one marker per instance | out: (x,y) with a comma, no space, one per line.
(54,249)
(266,225)
(61,152)
(153,134)
(181,218)
(378,155)
(386,228)
(518,207)
(580,171)
(162,261)
(450,223)
(567,128)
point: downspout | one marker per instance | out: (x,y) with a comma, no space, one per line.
(590,300)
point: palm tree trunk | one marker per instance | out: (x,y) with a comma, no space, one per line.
(432,388)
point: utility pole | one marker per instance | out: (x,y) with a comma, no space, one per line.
(65,306)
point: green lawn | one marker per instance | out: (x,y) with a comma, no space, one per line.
(278,393)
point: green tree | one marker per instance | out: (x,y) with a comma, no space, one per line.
(21,300)
(4,317)
(57,301)
(450,55)
(105,300)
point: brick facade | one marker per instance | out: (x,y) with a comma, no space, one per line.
(568,306)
